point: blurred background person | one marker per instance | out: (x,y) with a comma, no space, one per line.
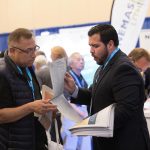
(71,142)
(42,71)
(58,52)
(141,59)
(39,52)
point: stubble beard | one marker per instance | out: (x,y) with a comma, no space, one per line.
(102,60)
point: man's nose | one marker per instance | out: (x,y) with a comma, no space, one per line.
(91,50)
(33,54)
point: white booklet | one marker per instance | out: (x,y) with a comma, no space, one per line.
(100,124)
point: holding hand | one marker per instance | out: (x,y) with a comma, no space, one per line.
(69,83)
(42,106)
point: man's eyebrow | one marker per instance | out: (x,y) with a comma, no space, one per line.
(93,44)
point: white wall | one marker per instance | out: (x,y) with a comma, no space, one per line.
(35,14)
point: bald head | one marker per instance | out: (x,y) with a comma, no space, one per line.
(58,52)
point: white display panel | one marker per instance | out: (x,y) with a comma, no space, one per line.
(145,39)
(72,40)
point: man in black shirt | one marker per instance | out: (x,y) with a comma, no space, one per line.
(20,96)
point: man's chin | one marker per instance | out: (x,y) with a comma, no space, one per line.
(99,62)
(30,64)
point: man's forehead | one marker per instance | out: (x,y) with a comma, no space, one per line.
(26,41)
(77,57)
(95,38)
(22,39)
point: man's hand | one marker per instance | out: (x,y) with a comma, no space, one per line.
(42,106)
(69,83)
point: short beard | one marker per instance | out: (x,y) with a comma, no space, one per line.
(102,60)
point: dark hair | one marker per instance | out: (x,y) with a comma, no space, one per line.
(2,54)
(107,32)
(17,34)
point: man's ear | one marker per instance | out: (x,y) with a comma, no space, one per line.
(110,44)
(11,51)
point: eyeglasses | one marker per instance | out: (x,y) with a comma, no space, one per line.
(28,50)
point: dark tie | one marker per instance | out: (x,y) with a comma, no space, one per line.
(98,74)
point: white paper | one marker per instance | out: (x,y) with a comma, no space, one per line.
(66,109)
(147,104)
(62,104)
(57,73)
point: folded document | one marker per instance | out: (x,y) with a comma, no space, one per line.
(100,124)
(62,104)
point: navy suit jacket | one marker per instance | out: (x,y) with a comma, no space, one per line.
(120,83)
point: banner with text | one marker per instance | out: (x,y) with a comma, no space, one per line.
(145,39)
(127,18)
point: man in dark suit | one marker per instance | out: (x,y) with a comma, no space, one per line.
(116,81)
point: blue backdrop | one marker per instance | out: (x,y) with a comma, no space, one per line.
(3,37)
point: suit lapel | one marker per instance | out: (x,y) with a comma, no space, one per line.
(101,76)
(103,73)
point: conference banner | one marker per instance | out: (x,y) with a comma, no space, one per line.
(145,39)
(127,17)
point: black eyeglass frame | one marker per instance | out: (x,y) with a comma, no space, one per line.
(28,50)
